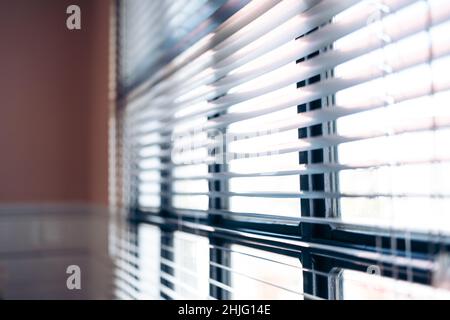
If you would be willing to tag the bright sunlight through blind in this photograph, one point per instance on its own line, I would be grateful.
(330, 112)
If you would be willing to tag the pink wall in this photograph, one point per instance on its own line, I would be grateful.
(53, 102)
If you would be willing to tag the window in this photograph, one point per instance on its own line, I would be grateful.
(362, 286)
(256, 274)
(191, 262)
(284, 149)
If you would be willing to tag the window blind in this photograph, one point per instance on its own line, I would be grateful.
(307, 134)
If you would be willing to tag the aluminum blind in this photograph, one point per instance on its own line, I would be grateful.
(322, 113)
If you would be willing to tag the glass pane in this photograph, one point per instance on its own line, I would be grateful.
(364, 286)
(264, 275)
(149, 261)
(192, 266)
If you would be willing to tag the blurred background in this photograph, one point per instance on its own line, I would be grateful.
(54, 112)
